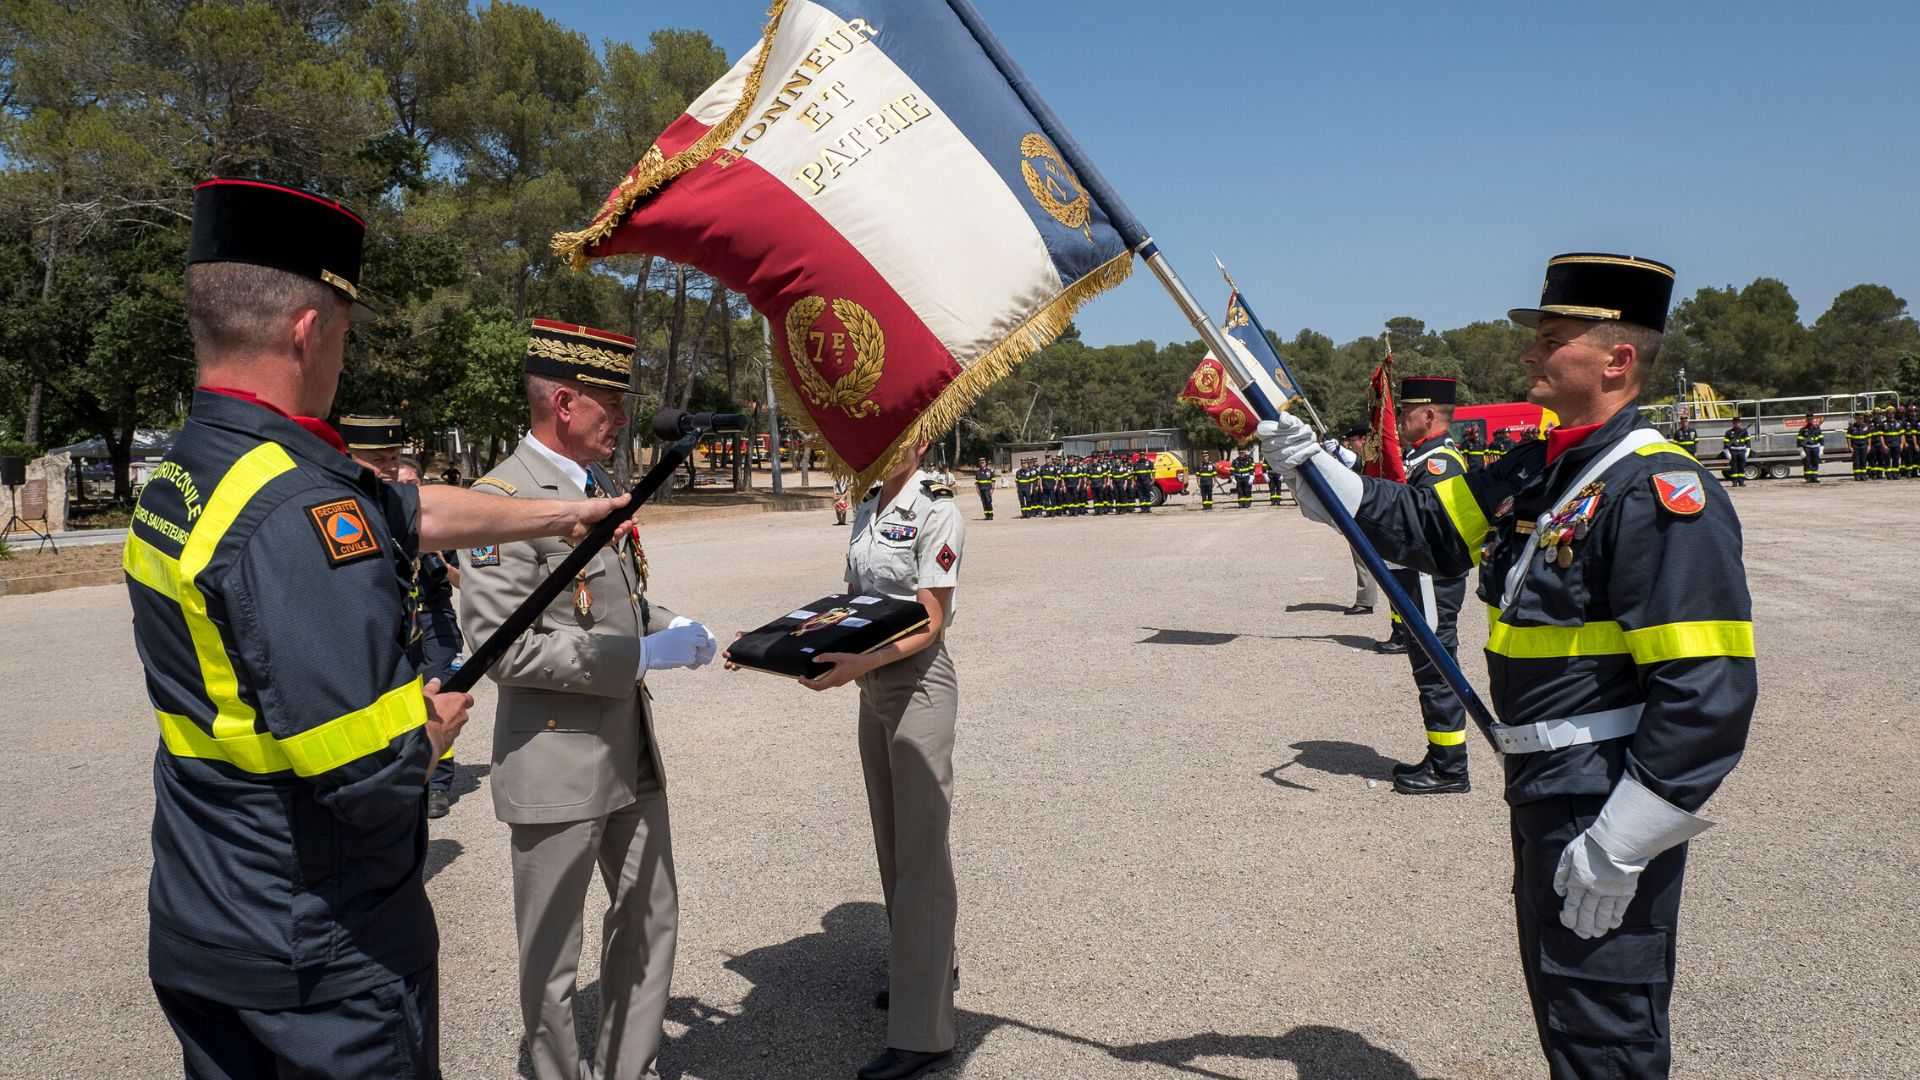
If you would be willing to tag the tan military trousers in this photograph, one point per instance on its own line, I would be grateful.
(552, 867)
(1366, 592)
(907, 714)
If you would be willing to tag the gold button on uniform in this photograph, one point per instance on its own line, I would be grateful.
(551, 723)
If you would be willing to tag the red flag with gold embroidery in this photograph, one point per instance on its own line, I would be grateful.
(1210, 389)
(1381, 455)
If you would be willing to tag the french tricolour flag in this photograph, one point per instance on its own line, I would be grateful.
(869, 178)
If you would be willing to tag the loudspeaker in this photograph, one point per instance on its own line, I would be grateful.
(13, 471)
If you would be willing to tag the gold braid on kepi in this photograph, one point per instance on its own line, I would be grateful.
(580, 354)
(372, 432)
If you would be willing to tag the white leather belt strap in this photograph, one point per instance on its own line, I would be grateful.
(1573, 731)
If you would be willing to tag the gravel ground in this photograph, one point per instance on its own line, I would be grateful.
(1177, 849)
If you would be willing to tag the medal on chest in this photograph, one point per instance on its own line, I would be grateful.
(1570, 523)
(897, 532)
(582, 598)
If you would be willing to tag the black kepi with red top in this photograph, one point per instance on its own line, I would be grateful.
(251, 221)
(1426, 390)
(580, 354)
(1598, 288)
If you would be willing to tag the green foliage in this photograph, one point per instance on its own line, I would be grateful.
(466, 135)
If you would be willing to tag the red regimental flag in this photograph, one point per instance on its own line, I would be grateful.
(1210, 390)
(1382, 456)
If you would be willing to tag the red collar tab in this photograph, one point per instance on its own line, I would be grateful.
(319, 428)
(1561, 440)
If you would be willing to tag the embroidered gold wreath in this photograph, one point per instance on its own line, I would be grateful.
(849, 392)
(1234, 423)
(1209, 390)
(1073, 213)
(575, 353)
(1237, 316)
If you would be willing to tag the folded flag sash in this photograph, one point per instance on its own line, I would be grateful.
(840, 623)
(875, 186)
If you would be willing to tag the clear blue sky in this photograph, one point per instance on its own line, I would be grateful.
(1352, 162)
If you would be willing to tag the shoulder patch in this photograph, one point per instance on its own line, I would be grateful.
(1436, 466)
(1682, 493)
(494, 481)
(946, 558)
(343, 530)
(484, 556)
(937, 490)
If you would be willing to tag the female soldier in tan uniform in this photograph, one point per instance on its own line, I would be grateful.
(906, 544)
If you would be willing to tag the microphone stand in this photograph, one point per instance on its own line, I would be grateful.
(584, 552)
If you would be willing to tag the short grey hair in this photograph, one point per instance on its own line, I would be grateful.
(1644, 339)
(238, 308)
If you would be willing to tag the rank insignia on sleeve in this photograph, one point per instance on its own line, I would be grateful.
(1436, 466)
(946, 558)
(484, 556)
(343, 530)
(1681, 492)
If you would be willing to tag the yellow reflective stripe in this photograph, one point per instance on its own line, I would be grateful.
(448, 756)
(1681, 641)
(1662, 448)
(1447, 738)
(335, 743)
(1454, 454)
(1553, 642)
(175, 579)
(1464, 511)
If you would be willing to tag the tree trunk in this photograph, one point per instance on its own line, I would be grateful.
(733, 388)
(120, 453)
(715, 300)
(636, 311)
(675, 331)
(36, 395)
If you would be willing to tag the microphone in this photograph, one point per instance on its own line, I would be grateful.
(670, 424)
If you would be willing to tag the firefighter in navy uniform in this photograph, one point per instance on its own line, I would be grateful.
(1686, 438)
(1050, 487)
(1739, 443)
(1471, 446)
(983, 483)
(290, 933)
(1910, 445)
(1498, 447)
(1620, 655)
(1425, 417)
(1858, 435)
(1022, 481)
(1205, 475)
(1243, 479)
(1812, 441)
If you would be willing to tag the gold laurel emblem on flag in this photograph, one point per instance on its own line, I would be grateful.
(1234, 423)
(1209, 389)
(1237, 316)
(849, 392)
(1075, 212)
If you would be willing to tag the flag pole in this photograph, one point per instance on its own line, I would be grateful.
(1261, 331)
(1256, 385)
(1411, 615)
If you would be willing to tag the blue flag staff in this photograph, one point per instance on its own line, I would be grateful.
(1256, 385)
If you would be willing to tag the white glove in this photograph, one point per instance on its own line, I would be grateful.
(683, 644)
(1600, 869)
(1289, 447)
(1286, 443)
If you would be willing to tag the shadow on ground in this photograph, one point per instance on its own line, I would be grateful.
(809, 1016)
(1334, 758)
(1337, 608)
(1351, 641)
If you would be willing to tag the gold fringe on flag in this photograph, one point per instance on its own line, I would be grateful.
(1033, 334)
(654, 170)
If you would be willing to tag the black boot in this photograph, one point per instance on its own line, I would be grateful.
(1428, 781)
(895, 1064)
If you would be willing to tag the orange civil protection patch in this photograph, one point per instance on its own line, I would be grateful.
(343, 530)
(1683, 492)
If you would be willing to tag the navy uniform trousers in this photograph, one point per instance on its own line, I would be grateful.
(391, 1031)
(1599, 1005)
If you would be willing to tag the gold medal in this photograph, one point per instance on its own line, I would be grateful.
(1565, 558)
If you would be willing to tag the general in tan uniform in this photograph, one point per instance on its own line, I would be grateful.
(576, 773)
